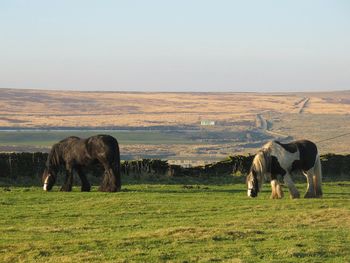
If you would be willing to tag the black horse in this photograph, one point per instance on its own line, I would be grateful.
(74, 154)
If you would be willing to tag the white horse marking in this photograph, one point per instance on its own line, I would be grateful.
(46, 183)
(250, 187)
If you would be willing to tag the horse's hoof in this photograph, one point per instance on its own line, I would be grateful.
(109, 189)
(319, 194)
(275, 196)
(85, 188)
(280, 194)
(295, 196)
(309, 195)
(65, 189)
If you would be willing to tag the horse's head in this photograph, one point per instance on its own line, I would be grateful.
(52, 166)
(257, 173)
(48, 179)
(253, 183)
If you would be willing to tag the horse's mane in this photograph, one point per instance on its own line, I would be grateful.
(53, 160)
(262, 160)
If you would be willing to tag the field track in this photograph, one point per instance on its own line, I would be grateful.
(176, 223)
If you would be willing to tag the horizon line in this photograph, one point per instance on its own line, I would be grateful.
(139, 91)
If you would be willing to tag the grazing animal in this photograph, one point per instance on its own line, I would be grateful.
(278, 159)
(74, 154)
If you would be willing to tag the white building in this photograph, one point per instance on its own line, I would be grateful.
(207, 123)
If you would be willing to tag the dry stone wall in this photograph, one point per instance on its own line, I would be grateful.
(14, 165)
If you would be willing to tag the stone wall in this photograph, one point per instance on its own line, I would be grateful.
(14, 165)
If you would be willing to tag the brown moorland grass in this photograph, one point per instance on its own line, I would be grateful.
(38, 108)
(314, 116)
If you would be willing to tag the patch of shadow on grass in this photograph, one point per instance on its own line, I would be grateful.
(320, 254)
(42, 254)
(343, 184)
(10, 229)
(187, 189)
(235, 235)
(8, 202)
(183, 180)
(200, 233)
(339, 196)
(166, 256)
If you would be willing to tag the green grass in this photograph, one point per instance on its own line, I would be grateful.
(47, 138)
(159, 223)
(187, 137)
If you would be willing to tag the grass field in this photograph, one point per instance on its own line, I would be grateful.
(48, 138)
(127, 137)
(173, 222)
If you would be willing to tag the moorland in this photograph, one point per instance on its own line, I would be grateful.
(195, 126)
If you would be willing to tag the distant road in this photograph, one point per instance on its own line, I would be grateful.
(301, 105)
(261, 123)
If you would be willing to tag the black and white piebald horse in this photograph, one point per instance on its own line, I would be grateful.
(74, 154)
(276, 159)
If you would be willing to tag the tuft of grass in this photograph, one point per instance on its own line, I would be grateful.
(173, 222)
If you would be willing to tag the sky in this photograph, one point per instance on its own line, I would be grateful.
(182, 45)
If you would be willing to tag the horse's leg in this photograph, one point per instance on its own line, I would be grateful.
(273, 189)
(63, 187)
(277, 192)
(318, 185)
(85, 185)
(68, 183)
(310, 192)
(105, 181)
(109, 182)
(291, 186)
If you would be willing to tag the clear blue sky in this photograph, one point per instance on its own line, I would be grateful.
(182, 45)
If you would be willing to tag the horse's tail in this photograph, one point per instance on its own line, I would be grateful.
(112, 178)
(318, 176)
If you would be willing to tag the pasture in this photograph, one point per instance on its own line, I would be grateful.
(176, 222)
(48, 138)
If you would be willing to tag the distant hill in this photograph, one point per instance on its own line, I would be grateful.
(251, 118)
(42, 108)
